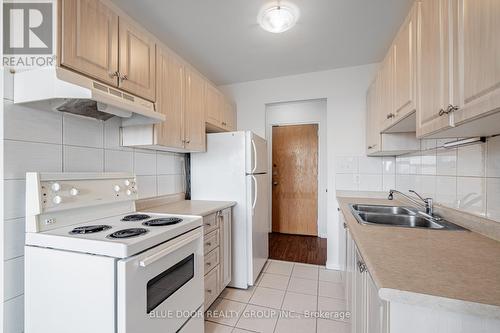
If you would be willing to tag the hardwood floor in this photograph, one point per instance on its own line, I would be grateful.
(304, 249)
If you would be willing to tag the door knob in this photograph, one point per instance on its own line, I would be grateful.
(275, 183)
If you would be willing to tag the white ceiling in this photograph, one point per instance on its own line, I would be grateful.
(222, 39)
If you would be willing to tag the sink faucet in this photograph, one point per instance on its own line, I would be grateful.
(428, 203)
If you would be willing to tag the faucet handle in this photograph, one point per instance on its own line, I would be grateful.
(418, 195)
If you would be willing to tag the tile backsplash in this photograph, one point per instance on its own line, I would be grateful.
(465, 178)
(46, 141)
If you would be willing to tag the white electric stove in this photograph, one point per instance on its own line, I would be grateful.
(90, 255)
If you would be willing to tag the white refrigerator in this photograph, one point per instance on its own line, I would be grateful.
(234, 168)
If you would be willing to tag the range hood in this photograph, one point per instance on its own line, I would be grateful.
(59, 89)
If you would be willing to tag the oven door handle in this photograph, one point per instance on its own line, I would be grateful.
(178, 243)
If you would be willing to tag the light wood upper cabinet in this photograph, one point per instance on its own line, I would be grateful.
(137, 65)
(405, 67)
(386, 112)
(89, 41)
(372, 119)
(213, 105)
(229, 119)
(195, 112)
(170, 100)
(478, 48)
(433, 62)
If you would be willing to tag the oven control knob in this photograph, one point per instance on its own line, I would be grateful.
(56, 187)
(117, 188)
(57, 200)
(129, 192)
(74, 192)
(127, 182)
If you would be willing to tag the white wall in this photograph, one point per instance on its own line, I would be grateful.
(345, 92)
(303, 112)
(46, 141)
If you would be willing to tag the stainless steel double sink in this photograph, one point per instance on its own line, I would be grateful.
(396, 216)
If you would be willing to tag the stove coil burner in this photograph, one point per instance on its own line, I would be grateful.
(127, 233)
(135, 217)
(89, 229)
(162, 221)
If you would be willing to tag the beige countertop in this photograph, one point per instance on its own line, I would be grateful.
(455, 270)
(190, 207)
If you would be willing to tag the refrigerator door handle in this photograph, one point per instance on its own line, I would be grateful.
(254, 202)
(254, 148)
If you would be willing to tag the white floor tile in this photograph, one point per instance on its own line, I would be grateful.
(217, 328)
(238, 295)
(271, 298)
(258, 319)
(305, 271)
(332, 308)
(333, 290)
(274, 281)
(226, 312)
(331, 326)
(329, 275)
(280, 267)
(296, 324)
(303, 286)
(300, 303)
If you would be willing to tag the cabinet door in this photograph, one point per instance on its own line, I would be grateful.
(230, 116)
(479, 58)
(387, 91)
(90, 39)
(433, 60)
(372, 119)
(194, 123)
(404, 68)
(376, 309)
(170, 100)
(214, 106)
(137, 60)
(225, 247)
(359, 315)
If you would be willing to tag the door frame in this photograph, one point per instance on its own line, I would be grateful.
(322, 160)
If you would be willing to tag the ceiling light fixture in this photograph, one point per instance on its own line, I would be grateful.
(278, 17)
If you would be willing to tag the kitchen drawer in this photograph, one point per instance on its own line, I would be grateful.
(211, 241)
(212, 259)
(210, 223)
(211, 286)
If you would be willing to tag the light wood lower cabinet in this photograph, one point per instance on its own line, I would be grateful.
(372, 314)
(217, 249)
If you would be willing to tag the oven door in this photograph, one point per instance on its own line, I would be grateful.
(158, 290)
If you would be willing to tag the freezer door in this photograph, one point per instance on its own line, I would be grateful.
(258, 224)
(256, 154)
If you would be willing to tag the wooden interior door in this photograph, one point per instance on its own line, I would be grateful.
(90, 39)
(137, 60)
(295, 179)
(170, 99)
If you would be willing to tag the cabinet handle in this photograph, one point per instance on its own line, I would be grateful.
(187, 141)
(208, 244)
(123, 77)
(114, 74)
(361, 267)
(209, 264)
(451, 108)
(391, 115)
(209, 291)
(345, 225)
(371, 147)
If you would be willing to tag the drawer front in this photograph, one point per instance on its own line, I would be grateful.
(210, 223)
(211, 259)
(211, 286)
(211, 241)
